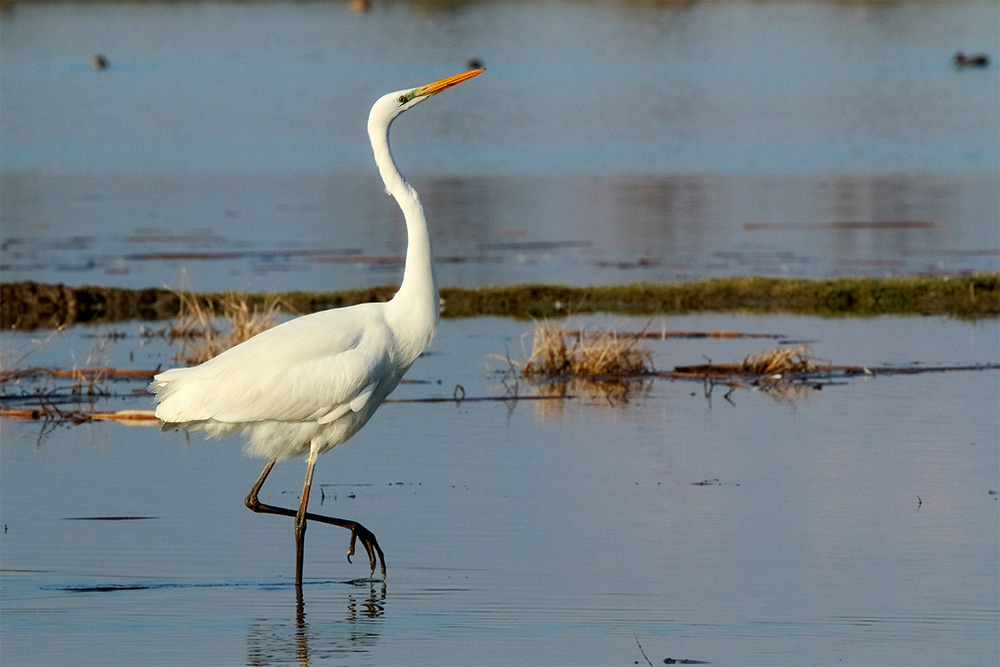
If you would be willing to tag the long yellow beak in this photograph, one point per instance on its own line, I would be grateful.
(438, 86)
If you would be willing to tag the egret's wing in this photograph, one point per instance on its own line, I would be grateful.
(314, 368)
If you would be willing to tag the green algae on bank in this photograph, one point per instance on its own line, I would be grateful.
(29, 305)
(971, 296)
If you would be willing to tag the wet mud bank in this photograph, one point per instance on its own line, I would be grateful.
(30, 305)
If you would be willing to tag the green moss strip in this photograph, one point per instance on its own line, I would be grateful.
(963, 296)
(32, 305)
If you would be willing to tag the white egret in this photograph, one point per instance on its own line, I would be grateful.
(311, 383)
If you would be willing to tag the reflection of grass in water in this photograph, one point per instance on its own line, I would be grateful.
(195, 328)
(614, 392)
(789, 393)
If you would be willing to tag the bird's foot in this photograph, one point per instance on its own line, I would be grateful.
(370, 544)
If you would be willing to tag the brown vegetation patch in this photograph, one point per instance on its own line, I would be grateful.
(778, 361)
(602, 363)
(557, 352)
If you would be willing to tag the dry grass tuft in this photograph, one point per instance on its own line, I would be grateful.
(780, 361)
(195, 324)
(555, 352)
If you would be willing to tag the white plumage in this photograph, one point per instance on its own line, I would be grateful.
(311, 383)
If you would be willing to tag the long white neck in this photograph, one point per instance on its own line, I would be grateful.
(415, 307)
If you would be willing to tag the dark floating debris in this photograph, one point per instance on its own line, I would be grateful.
(667, 661)
(975, 60)
(104, 589)
(840, 224)
(108, 518)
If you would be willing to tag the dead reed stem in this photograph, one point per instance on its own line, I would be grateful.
(195, 325)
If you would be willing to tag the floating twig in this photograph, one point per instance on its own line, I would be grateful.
(131, 417)
(683, 334)
(643, 652)
(102, 373)
(723, 371)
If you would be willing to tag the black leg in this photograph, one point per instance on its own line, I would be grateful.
(300, 520)
(357, 530)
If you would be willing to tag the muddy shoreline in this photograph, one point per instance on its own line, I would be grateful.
(30, 305)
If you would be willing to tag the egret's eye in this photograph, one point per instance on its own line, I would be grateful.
(402, 99)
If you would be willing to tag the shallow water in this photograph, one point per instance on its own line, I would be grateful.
(704, 139)
(852, 525)
(224, 149)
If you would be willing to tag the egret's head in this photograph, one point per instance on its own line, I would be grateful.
(391, 105)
